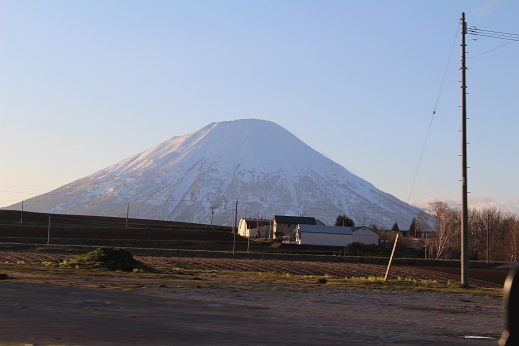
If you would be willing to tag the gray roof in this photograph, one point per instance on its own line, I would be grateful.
(325, 229)
(294, 220)
(329, 229)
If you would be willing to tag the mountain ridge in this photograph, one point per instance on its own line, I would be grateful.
(257, 162)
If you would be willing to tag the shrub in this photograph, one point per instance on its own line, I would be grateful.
(322, 280)
(107, 259)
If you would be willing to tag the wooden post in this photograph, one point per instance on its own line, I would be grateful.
(391, 258)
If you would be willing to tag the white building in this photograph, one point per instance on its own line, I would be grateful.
(334, 235)
(284, 226)
(255, 228)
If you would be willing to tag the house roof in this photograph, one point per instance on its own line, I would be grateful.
(330, 229)
(294, 220)
(253, 223)
(356, 228)
(325, 229)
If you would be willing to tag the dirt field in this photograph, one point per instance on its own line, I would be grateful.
(480, 277)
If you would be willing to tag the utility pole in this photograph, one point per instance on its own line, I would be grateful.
(48, 232)
(488, 237)
(425, 247)
(127, 214)
(464, 206)
(235, 221)
(212, 215)
(21, 214)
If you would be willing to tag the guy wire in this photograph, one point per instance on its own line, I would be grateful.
(433, 113)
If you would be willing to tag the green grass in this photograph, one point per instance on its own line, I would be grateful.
(413, 285)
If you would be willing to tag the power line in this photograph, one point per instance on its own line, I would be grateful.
(491, 50)
(492, 34)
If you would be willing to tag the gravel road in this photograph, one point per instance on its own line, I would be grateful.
(45, 314)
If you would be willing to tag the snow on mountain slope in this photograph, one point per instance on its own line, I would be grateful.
(260, 164)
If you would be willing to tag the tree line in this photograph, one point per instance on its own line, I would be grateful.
(493, 233)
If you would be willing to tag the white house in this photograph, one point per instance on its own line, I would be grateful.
(255, 228)
(334, 235)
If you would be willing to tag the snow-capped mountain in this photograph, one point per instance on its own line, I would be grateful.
(202, 174)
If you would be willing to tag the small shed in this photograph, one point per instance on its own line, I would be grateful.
(255, 228)
(334, 235)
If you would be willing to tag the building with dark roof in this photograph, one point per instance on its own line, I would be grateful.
(285, 225)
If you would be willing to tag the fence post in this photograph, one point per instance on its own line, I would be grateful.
(391, 258)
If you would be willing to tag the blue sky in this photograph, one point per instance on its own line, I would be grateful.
(86, 84)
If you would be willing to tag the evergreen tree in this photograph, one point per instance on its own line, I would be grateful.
(395, 227)
(343, 220)
(412, 228)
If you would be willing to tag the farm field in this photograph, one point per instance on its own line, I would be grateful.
(204, 294)
(190, 246)
(479, 277)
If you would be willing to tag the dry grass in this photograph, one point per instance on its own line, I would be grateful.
(181, 278)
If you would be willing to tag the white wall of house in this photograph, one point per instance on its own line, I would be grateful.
(242, 228)
(323, 235)
(245, 230)
(365, 236)
(308, 238)
(334, 235)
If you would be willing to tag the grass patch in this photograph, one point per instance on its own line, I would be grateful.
(413, 285)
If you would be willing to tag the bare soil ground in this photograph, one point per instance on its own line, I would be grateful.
(480, 277)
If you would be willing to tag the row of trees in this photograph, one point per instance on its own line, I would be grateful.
(493, 233)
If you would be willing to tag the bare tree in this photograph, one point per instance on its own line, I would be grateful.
(512, 237)
(446, 226)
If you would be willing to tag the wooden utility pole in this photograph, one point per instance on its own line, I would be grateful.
(488, 237)
(464, 205)
(127, 214)
(21, 214)
(234, 228)
(48, 232)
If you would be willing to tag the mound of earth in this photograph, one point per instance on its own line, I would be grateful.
(108, 259)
